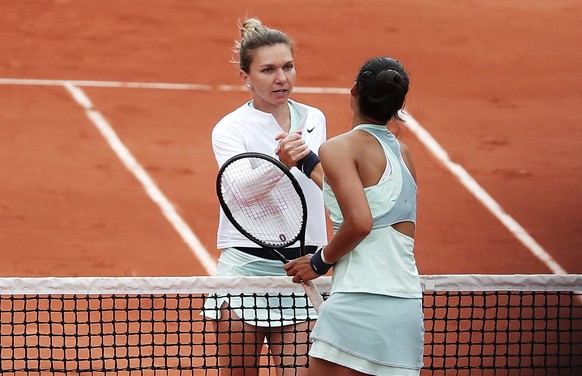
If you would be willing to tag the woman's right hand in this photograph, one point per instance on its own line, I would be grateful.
(300, 269)
(291, 149)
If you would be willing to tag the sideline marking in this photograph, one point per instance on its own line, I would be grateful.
(142, 176)
(472, 186)
(425, 138)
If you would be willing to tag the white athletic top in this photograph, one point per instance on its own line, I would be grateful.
(249, 130)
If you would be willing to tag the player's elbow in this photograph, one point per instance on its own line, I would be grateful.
(361, 227)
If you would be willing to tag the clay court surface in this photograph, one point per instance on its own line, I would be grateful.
(497, 84)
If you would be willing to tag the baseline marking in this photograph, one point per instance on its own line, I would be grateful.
(158, 86)
(425, 138)
(143, 177)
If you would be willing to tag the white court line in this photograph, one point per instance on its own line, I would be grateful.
(158, 86)
(467, 180)
(114, 84)
(142, 176)
(429, 142)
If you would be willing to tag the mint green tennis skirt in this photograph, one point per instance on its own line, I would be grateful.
(259, 310)
(373, 334)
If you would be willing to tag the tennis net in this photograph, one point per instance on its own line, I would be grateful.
(474, 325)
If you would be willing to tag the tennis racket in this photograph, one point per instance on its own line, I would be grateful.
(264, 201)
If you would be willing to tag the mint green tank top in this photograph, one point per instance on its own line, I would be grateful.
(383, 263)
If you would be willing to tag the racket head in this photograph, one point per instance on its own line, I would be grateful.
(263, 200)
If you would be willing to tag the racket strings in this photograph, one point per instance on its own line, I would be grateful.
(263, 201)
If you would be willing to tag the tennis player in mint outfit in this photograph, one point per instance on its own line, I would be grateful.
(372, 323)
(267, 69)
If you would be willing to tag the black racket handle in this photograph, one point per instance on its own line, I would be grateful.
(278, 255)
(310, 289)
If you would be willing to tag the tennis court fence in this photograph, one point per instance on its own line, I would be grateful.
(474, 324)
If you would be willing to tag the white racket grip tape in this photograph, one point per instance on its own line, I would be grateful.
(313, 294)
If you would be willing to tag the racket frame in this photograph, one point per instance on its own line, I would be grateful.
(309, 287)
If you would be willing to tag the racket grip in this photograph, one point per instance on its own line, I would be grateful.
(313, 294)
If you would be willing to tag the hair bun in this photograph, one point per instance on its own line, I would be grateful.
(390, 76)
(382, 88)
(250, 26)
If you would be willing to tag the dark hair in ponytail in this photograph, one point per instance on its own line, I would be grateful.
(382, 87)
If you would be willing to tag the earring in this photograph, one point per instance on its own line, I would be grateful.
(248, 85)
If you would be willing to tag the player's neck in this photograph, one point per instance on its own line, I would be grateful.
(360, 119)
(281, 114)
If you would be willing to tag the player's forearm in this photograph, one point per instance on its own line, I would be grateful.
(345, 240)
(317, 175)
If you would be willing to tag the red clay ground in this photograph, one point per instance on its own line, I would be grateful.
(497, 83)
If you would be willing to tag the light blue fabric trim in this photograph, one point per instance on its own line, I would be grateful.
(295, 117)
(403, 188)
(393, 199)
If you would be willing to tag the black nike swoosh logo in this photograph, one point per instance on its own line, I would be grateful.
(310, 130)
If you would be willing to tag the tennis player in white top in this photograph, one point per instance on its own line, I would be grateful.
(267, 69)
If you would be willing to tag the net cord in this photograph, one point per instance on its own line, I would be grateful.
(203, 284)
